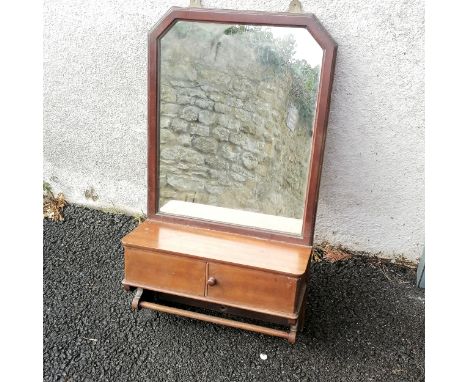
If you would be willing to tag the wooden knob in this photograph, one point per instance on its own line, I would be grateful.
(211, 281)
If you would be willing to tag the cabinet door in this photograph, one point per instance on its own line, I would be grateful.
(251, 288)
(164, 272)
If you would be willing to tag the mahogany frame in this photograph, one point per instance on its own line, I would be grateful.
(307, 21)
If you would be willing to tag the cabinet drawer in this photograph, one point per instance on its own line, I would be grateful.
(161, 271)
(251, 288)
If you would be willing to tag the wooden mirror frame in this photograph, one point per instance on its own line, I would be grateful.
(307, 21)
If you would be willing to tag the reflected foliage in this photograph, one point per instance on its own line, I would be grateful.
(272, 51)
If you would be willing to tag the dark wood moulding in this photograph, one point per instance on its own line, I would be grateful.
(308, 21)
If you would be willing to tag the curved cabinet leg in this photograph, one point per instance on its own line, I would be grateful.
(136, 299)
(292, 334)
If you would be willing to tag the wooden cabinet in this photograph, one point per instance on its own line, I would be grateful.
(217, 268)
(162, 271)
(252, 288)
(234, 161)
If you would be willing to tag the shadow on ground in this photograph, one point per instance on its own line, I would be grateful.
(365, 321)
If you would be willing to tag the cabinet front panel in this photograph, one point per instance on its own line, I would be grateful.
(161, 271)
(251, 288)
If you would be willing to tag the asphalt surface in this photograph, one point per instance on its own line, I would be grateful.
(365, 321)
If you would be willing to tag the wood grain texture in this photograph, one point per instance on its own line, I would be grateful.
(291, 317)
(252, 288)
(221, 247)
(159, 270)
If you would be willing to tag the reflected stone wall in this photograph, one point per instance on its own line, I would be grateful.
(230, 133)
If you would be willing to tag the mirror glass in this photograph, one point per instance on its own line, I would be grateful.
(236, 114)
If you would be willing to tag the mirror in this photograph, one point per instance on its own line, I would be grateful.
(236, 114)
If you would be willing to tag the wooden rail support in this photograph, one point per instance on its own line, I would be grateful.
(290, 336)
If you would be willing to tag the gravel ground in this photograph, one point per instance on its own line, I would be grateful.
(365, 321)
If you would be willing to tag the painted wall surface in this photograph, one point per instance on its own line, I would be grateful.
(372, 187)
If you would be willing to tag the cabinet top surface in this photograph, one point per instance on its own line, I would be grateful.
(220, 246)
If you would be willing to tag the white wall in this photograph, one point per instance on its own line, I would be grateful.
(372, 190)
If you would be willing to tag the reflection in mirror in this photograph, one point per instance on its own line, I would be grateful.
(237, 108)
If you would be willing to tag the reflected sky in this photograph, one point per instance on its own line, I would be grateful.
(306, 46)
